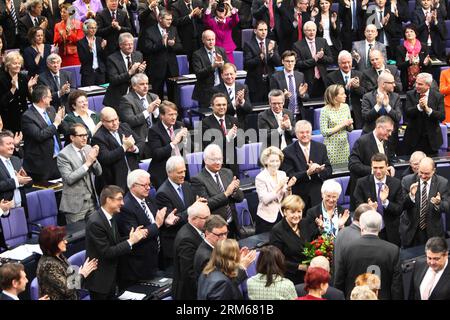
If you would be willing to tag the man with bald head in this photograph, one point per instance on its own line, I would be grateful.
(426, 198)
(207, 63)
(351, 80)
(370, 75)
(361, 49)
(120, 148)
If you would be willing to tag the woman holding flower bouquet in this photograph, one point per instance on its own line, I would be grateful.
(328, 216)
(290, 236)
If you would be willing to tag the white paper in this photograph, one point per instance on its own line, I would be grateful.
(56, 180)
(22, 252)
(190, 76)
(90, 88)
(128, 295)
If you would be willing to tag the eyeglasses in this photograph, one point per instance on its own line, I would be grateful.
(216, 160)
(220, 235)
(146, 186)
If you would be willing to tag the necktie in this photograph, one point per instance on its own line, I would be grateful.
(382, 111)
(368, 56)
(216, 72)
(229, 212)
(380, 146)
(145, 106)
(346, 80)
(293, 98)
(306, 154)
(56, 148)
(58, 84)
(263, 51)
(91, 183)
(36, 22)
(12, 174)
(354, 18)
(180, 193)
(128, 62)
(381, 30)
(14, 14)
(113, 15)
(222, 126)
(379, 72)
(380, 207)
(115, 231)
(231, 95)
(189, 6)
(313, 53)
(429, 286)
(151, 218)
(423, 207)
(271, 15)
(176, 150)
(299, 26)
(283, 143)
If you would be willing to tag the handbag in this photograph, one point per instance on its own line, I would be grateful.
(246, 230)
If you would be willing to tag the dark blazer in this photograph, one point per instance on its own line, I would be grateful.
(291, 245)
(104, 244)
(241, 112)
(184, 285)
(256, 68)
(294, 164)
(24, 25)
(367, 251)
(48, 79)
(370, 115)
(9, 29)
(202, 256)
(5, 297)
(12, 106)
(29, 56)
(205, 186)
(112, 156)
(70, 119)
(217, 286)
(119, 79)
(403, 64)
(130, 110)
(410, 221)
(345, 14)
(107, 32)
(366, 188)
(278, 81)
(268, 122)
(335, 33)
(306, 63)
(331, 294)
(420, 124)
(437, 32)
(202, 68)
(159, 147)
(168, 197)
(7, 183)
(353, 97)
(87, 57)
(370, 79)
(38, 159)
(142, 262)
(440, 292)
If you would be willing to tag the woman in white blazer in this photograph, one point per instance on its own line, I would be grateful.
(272, 185)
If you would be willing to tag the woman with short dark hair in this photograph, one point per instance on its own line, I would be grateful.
(35, 56)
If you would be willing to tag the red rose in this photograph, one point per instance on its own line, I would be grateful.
(318, 253)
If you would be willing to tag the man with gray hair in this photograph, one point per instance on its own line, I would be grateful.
(371, 254)
(361, 49)
(174, 193)
(414, 162)
(351, 80)
(59, 81)
(139, 108)
(425, 111)
(121, 65)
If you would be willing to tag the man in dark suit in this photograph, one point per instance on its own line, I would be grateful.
(189, 237)
(371, 254)
(111, 23)
(8, 10)
(431, 278)
(275, 124)
(165, 138)
(260, 59)
(120, 67)
(216, 228)
(384, 194)
(120, 148)
(308, 161)
(313, 57)
(359, 162)
(238, 98)
(139, 108)
(219, 186)
(59, 81)
(351, 13)
(104, 243)
(41, 138)
(148, 16)
(425, 111)
(13, 280)
(140, 210)
(351, 80)
(206, 64)
(187, 17)
(174, 194)
(160, 45)
(426, 198)
(369, 79)
(33, 18)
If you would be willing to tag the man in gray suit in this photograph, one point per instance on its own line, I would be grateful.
(139, 108)
(78, 165)
(370, 76)
(361, 49)
(219, 186)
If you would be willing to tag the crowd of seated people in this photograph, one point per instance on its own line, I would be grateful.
(132, 233)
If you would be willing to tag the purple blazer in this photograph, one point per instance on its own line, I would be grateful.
(95, 5)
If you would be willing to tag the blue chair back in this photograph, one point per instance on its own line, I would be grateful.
(183, 64)
(317, 138)
(238, 59)
(316, 125)
(247, 159)
(76, 76)
(15, 228)
(34, 289)
(78, 259)
(194, 162)
(353, 136)
(246, 35)
(42, 208)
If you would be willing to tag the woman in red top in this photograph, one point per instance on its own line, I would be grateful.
(316, 283)
(67, 33)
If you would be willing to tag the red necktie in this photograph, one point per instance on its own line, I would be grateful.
(222, 125)
(299, 26)
(271, 15)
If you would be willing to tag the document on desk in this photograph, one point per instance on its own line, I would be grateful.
(22, 252)
(128, 295)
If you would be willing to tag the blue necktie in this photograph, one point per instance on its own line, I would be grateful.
(56, 148)
(293, 98)
(383, 111)
(180, 193)
(12, 173)
(380, 207)
(354, 19)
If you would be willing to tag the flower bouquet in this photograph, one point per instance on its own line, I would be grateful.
(322, 246)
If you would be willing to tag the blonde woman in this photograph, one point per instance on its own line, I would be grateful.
(272, 185)
(335, 121)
